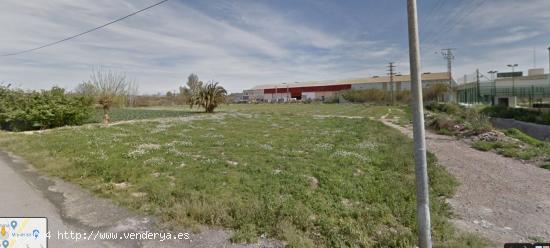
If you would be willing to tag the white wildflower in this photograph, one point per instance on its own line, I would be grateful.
(266, 146)
(324, 146)
(367, 145)
(154, 161)
(343, 154)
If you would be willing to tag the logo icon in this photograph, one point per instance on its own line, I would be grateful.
(13, 224)
(3, 231)
(35, 233)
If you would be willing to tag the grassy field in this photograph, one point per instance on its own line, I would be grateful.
(125, 114)
(312, 175)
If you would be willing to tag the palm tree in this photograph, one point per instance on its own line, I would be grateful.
(209, 96)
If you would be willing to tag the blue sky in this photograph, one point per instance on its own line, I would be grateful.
(246, 43)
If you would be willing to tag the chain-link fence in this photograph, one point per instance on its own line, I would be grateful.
(528, 92)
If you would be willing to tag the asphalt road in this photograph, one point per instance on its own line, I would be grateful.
(22, 198)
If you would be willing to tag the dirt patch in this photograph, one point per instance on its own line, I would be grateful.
(501, 198)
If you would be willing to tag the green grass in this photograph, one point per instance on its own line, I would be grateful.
(515, 133)
(125, 114)
(287, 171)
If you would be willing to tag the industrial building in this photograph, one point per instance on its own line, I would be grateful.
(506, 89)
(323, 90)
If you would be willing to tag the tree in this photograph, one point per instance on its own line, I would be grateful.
(110, 89)
(436, 92)
(210, 96)
(193, 87)
(196, 93)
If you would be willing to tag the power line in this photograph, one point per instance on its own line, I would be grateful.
(85, 32)
(424, 19)
(443, 22)
(460, 19)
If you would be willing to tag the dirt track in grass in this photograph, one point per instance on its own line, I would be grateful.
(503, 199)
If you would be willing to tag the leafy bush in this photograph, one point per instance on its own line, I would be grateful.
(20, 110)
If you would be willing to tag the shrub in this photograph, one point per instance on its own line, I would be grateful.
(403, 96)
(442, 122)
(476, 122)
(449, 108)
(435, 92)
(377, 96)
(361, 96)
(20, 110)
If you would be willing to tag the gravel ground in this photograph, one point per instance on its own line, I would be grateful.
(502, 199)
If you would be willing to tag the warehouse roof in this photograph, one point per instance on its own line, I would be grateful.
(374, 79)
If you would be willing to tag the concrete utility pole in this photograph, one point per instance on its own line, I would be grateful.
(449, 56)
(391, 67)
(421, 168)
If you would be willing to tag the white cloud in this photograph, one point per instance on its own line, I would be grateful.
(160, 47)
(509, 38)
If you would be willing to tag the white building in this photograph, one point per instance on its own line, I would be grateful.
(323, 90)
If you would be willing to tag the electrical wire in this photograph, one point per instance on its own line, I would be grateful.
(83, 33)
